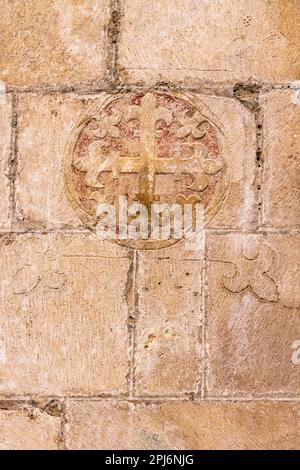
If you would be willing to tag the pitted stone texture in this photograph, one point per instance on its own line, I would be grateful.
(63, 315)
(182, 251)
(185, 40)
(5, 135)
(238, 208)
(168, 329)
(53, 42)
(27, 428)
(253, 306)
(41, 200)
(183, 425)
(281, 156)
(45, 125)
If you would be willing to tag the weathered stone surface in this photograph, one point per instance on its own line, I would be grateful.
(45, 125)
(253, 318)
(237, 124)
(5, 133)
(27, 428)
(137, 345)
(63, 315)
(183, 425)
(185, 40)
(53, 42)
(281, 155)
(42, 201)
(152, 147)
(181, 251)
(168, 330)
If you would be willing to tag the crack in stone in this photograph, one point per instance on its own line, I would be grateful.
(13, 157)
(113, 34)
(247, 94)
(53, 406)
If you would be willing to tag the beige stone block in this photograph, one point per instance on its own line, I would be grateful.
(27, 428)
(237, 210)
(281, 154)
(252, 315)
(5, 135)
(168, 329)
(184, 40)
(41, 200)
(180, 251)
(53, 42)
(182, 425)
(45, 126)
(63, 316)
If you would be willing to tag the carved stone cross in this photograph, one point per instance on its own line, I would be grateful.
(147, 165)
(157, 146)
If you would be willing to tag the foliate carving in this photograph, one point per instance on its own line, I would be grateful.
(149, 147)
(252, 273)
(41, 272)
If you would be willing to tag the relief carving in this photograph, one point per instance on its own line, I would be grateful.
(252, 273)
(41, 272)
(149, 147)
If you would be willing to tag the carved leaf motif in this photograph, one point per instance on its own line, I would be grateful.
(132, 112)
(96, 163)
(43, 272)
(91, 165)
(205, 166)
(200, 182)
(265, 288)
(147, 106)
(211, 166)
(108, 126)
(181, 199)
(251, 273)
(237, 283)
(265, 258)
(190, 126)
(26, 279)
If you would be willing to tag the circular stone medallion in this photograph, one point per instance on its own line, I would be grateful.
(153, 147)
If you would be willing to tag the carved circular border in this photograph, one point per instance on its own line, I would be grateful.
(93, 111)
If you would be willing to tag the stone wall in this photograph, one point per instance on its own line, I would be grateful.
(104, 346)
